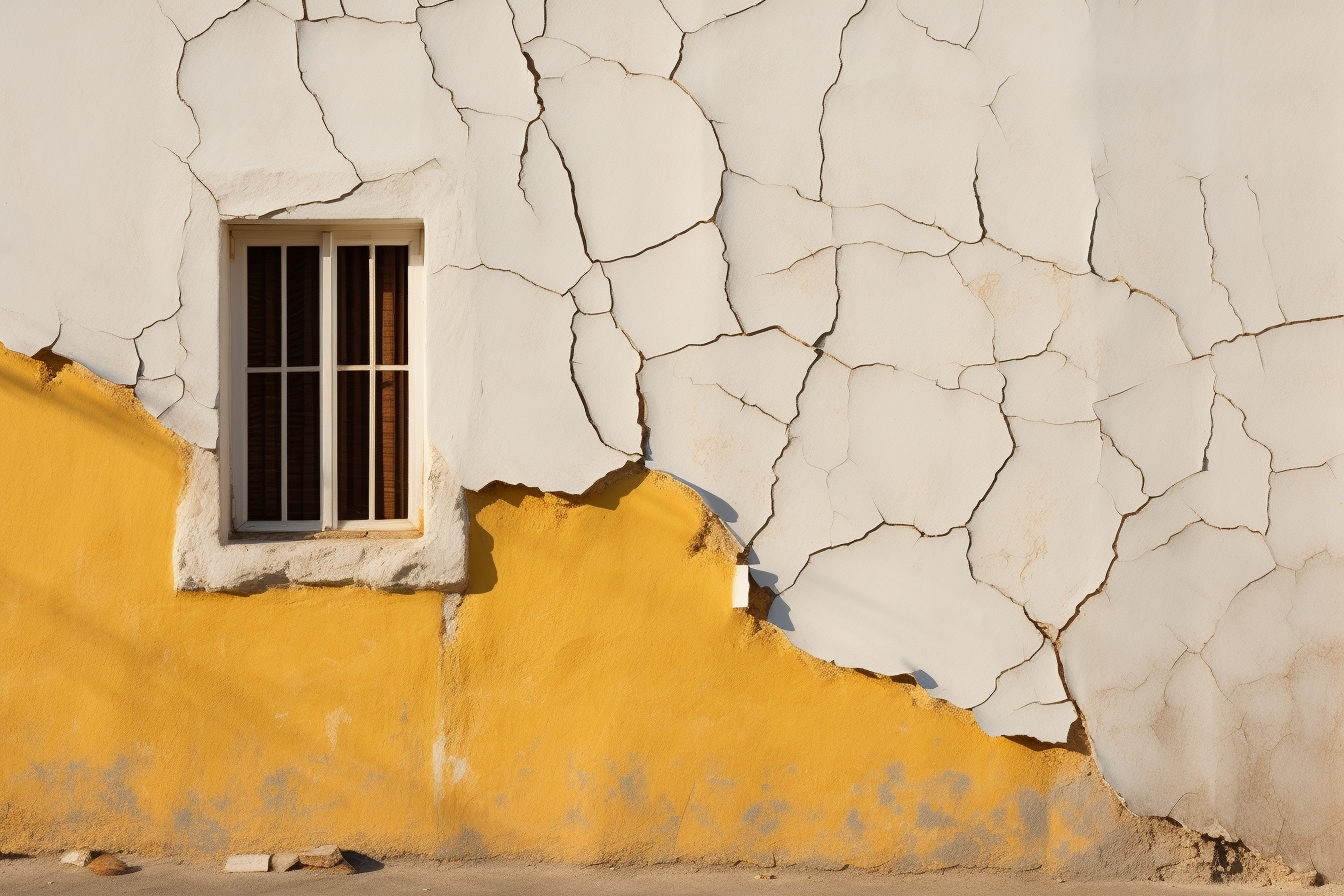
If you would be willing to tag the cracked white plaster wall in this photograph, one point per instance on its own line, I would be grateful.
(885, 278)
(655, 172)
(264, 144)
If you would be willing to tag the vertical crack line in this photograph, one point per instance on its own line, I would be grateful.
(322, 113)
(821, 120)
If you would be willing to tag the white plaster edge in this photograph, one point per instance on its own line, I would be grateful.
(205, 559)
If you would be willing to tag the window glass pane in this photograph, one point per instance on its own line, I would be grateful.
(263, 446)
(390, 278)
(390, 445)
(352, 444)
(305, 445)
(263, 306)
(352, 305)
(302, 306)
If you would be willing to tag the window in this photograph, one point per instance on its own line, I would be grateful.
(324, 379)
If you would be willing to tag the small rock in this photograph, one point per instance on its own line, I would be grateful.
(283, 861)
(341, 867)
(765, 877)
(108, 865)
(255, 862)
(77, 857)
(321, 857)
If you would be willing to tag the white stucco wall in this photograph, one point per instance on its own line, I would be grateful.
(1004, 335)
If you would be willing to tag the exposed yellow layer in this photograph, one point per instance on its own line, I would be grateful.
(599, 701)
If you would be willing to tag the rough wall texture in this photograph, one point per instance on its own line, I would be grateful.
(1003, 335)
(620, 712)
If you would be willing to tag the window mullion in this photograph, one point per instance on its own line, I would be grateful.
(373, 376)
(284, 383)
(327, 385)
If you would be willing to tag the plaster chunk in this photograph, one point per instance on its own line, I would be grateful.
(511, 411)
(954, 21)
(1036, 155)
(902, 123)
(692, 15)
(929, 453)
(378, 96)
(157, 395)
(1290, 384)
(1043, 534)
(193, 421)
(1027, 298)
(1158, 719)
(323, 9)
(639, 34)
(1153, 526)
(656, 172)
(1233, 488)
(1120, 478)
(761, 76)
(476, 57)
(382, 10)
(205, 559)
(524, 211)
(879, 224)
(1119, 338)
(765, 370)
(909, 311)
(110, 357)
(529, 18)
(1306, 513)
(673, 295)
(605, 365)
(918, 612)
(263, 144)
(292, 9)
(160, 349)
(553, 58)
(1048, 389)
(197, 319)
(92, 148)
(592, 294)
(1240, 260)
(985, 380)
(1029, 700)
(781, 271)
(1164, 424)
(192, 17)
(713, 442)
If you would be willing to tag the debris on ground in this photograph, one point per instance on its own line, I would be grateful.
(108, 865)
(248, 863)
(765, 877)
(77, 857)
(322, 857)
(283, 861)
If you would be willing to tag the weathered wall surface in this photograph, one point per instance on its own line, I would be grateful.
(620, 711)
(1001, 334)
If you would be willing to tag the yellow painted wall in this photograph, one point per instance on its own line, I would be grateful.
(599, 700)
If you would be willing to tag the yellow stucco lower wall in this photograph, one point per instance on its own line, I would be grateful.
(595, 697)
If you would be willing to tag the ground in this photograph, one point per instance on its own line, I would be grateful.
(407, 876)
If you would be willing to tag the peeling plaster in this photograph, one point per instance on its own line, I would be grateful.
(1031, 307)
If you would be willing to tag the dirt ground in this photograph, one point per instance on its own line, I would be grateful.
(495, 878)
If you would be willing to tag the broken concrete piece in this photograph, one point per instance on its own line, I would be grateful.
(639, 34)
(283, 861)
(761, 76)
(475, 55)
(108, 866)
(917, 599)
(77, 857)
(264, 145)
(321, 857)
(656, 172)
(247, 863)
(673, 295)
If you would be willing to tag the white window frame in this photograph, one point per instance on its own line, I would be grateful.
(233, 330)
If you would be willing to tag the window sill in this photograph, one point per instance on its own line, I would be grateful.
(207, 556)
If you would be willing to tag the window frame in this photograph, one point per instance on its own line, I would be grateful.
(327, 235)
